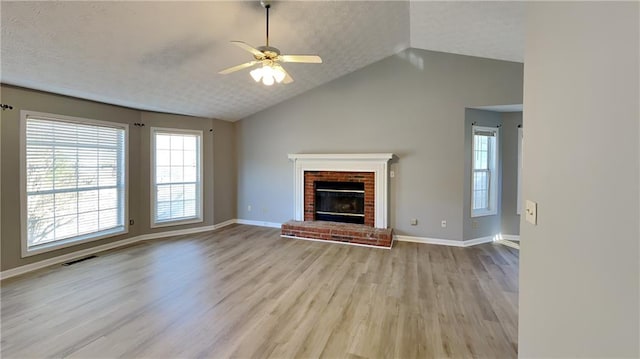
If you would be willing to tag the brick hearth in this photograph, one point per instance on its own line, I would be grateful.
(339, 232)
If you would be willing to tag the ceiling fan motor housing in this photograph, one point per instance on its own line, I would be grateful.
(269, 52)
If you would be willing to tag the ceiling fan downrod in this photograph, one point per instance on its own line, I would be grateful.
(267, 5)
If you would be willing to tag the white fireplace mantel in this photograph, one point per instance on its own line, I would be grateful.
(352, 162)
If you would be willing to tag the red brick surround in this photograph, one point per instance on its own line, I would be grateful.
(367, 178)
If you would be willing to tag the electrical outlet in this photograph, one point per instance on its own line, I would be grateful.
(475, 224)
(443, 224)
(249, 208)
(265, 210)
(414, 222)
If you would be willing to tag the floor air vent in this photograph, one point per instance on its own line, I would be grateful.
(79, 260)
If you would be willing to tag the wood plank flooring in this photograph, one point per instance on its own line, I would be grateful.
(244, 292)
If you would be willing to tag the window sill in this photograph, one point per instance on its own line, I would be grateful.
(483, 213)
(177, 222)
(52, 246)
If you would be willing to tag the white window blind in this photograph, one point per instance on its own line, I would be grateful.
(75, 180)
(484, 179)
(176, 176)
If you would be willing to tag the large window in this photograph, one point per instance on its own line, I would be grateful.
(73, 183)
(484, 177)
(176, 176)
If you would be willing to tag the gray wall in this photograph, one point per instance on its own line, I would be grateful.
(221, 164)
(509, 140)
(411, 104)
(579, 267)
(476, 227)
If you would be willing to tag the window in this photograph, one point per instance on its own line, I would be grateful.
(176, 177)
(73, 180)
(484, 178)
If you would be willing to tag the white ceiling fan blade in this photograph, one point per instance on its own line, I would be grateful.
(237, 68)
(308, 59)
(247, 47)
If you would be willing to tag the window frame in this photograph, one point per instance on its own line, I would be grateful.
(152, 178)
(493, 172)
(68, 242)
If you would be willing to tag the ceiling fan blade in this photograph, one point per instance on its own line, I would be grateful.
(287, 78)
(237, 68)
(247, 47)
(309, 59)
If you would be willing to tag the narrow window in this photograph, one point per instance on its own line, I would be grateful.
(73, 180)
(484, 177)
(176, 176)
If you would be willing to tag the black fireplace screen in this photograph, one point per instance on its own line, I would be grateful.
(339, 202)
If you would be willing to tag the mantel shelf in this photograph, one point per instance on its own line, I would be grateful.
(341, 156)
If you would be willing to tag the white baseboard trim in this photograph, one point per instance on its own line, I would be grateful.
(444, 242)
(224, 224)
(338, 242)
(105, 247)
(511, 237)
(258, 223)
(508, 244)
(481, 240)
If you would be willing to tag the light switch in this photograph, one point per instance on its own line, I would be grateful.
(531, 212)
(392, 174)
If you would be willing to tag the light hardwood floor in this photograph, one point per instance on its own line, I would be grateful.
(244, 292)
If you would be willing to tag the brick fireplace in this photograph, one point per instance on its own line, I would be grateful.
(357, 183)
(311, 178)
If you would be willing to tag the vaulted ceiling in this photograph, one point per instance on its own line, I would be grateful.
(165, 56)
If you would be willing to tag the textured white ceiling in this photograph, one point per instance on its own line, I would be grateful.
(164, 56)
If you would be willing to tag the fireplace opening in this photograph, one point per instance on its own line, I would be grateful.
(339, 201)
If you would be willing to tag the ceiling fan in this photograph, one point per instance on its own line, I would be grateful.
(269, 58)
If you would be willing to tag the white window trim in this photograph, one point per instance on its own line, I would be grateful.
(520, 162)
(26, 252)
(494, 174)
(152, 151)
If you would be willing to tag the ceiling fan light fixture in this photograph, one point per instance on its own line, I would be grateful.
(267, 75)
(278, 73)
(270, 72)
(268, 80)
(256, 74)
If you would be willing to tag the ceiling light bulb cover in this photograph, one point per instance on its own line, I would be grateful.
(268, 80)
(267, 70)
(278, 73)
(256, 74)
